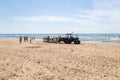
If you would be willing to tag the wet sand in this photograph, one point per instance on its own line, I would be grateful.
(51, 61)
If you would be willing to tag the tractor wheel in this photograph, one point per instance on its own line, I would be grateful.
(77, 42)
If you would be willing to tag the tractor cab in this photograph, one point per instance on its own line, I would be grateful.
(72, 36)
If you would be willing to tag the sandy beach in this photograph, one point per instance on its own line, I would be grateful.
(51, 61)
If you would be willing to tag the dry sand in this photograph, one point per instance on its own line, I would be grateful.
(50, 61)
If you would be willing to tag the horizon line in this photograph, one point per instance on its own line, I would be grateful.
(65, 33)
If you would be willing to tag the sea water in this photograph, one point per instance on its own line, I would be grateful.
(91, 38)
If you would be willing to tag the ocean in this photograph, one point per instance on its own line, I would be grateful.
(85, 38)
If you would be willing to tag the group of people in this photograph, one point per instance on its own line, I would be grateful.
(26, 39)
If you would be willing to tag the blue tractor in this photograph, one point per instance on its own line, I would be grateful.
(69, 38)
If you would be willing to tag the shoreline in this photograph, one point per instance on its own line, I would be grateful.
(84, 42)
(84, 38)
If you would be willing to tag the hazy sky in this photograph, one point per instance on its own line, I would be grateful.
(59, 16)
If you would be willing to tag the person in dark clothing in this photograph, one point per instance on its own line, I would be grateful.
(20, 39)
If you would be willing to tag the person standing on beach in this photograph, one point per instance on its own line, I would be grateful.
(20, 39)
(30, 40)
